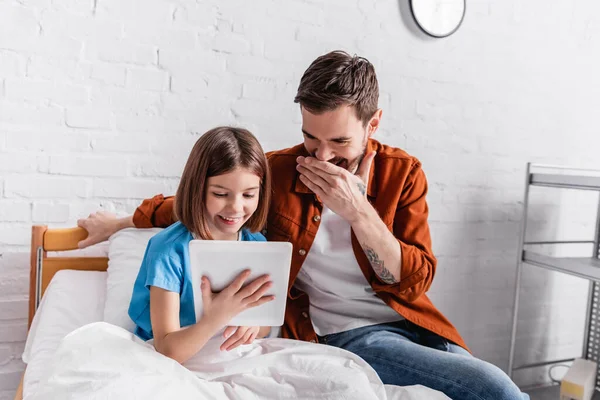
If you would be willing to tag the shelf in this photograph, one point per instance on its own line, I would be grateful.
(551, 393)
(566, 181)
(588, 268)
(583, 267)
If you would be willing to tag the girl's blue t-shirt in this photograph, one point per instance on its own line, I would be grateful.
(166, 265)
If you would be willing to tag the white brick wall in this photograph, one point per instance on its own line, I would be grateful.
(100, 102)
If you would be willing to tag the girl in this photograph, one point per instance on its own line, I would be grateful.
(223, 194)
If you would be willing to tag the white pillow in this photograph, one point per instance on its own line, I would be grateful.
(125, 254)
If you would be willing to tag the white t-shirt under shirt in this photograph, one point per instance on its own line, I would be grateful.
(340, 296)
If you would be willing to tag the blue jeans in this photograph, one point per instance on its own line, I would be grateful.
(404, 354)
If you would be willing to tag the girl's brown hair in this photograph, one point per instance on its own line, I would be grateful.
(217, 152)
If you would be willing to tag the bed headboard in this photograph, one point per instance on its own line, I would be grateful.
(43, 267)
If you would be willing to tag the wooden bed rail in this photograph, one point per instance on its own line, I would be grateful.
(43, 267)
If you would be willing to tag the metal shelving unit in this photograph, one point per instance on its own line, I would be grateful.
(582, 267)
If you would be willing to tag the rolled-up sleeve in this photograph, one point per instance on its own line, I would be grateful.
(155, 212)
(411, 229)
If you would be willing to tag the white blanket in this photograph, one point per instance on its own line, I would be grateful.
(102, 361)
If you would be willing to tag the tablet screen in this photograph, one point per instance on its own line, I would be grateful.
(222, 261)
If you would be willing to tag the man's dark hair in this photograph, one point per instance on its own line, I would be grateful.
(336, 79)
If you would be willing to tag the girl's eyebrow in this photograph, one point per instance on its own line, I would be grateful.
(223, 187)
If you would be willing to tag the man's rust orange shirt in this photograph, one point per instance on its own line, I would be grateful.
(397, 188)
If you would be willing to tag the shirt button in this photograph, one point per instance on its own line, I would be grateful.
(304, 314)
(302, 252)
(317, 218)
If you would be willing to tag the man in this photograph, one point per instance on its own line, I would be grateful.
(355, 211)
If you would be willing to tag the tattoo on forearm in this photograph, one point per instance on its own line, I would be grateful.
(362, 188)
(384, 274)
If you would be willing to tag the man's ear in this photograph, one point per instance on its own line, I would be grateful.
(373, 124)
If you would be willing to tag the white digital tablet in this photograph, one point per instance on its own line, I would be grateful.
(222, 261)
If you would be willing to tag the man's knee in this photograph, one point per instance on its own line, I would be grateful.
(493, 384)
